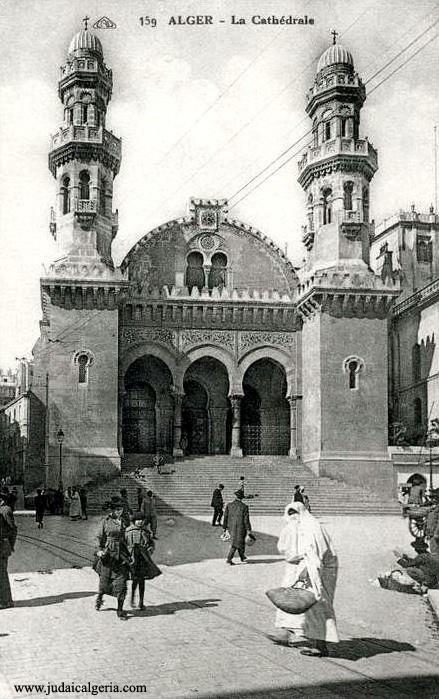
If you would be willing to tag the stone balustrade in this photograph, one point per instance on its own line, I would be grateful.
(86, 134)
(334, 80)
(85, 206)
(336, 147)
(419, 298)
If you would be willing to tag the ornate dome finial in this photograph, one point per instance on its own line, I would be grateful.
(334, 36)
(85, 20)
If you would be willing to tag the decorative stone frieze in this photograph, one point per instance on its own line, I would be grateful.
(130, 336)
(278, 339)
(223, 338)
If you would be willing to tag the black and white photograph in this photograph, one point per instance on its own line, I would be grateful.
(219, 380)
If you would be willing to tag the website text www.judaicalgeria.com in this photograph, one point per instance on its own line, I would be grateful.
(74, 688)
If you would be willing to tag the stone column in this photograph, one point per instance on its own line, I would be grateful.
(292, 400)
(177, 451)
(236, 425)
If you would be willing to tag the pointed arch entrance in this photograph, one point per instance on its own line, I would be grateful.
(206, 421)
(147, 409)
(265, 413)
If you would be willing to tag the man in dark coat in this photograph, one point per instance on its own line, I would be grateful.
(237, 522)
(218, 505)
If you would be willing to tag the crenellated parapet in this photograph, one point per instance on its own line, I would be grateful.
(346, 294)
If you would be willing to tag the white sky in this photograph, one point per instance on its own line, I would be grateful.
(164, 80)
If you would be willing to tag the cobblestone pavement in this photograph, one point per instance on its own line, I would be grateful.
(203, 632)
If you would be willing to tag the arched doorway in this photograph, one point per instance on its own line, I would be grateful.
(206, 412)
(147, 407)
(139, 420)
(265, 414)
(195, 424)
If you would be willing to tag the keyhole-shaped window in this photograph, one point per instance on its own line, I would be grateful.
(83, 362)
(195, 271)
(353, 367)
(327, 208)
(344, 124)
(348, 188)
(65, 193)
(217, 274)
(84, 185)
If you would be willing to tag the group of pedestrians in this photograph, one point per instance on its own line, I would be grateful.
(125, 545)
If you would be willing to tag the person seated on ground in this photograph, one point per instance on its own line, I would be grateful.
(423, 569)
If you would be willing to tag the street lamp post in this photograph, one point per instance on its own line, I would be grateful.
(60, 438)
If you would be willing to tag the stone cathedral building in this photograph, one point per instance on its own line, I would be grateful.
(206, 340)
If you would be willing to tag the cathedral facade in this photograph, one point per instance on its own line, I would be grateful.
(206, 340)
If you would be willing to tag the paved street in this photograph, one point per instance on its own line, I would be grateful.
(203, 633)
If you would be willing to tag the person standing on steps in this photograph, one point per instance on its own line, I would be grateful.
(297, 497)
(241, 486)
(149, 512)
(218, 505)
(112, 558)
(139, 495)
(237, 522)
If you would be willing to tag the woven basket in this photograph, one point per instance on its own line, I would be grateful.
(291, 600)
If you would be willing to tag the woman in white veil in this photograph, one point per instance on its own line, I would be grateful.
(309, 556)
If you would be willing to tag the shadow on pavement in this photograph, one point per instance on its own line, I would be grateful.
(169, 607)
(398, 687)
(52, 599)
(357, 648)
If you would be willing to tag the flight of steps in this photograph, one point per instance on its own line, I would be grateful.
(186, 487)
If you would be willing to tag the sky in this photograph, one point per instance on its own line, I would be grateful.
(201, 110)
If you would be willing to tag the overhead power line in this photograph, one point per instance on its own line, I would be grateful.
(408, 59)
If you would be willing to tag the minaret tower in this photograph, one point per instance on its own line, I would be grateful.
(84, 157)
(77, 354)
(344, 305)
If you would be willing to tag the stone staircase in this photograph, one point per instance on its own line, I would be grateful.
(186, 486)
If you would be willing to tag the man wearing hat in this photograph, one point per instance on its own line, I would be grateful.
(113, 558)
(237, 521)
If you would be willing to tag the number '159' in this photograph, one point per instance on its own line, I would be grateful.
(148, 21)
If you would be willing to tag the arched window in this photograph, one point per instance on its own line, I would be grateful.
(65, 193)
(327, 131)
(327, 208)
(344, 127)
(218, 271)
(84, 113)
(83, 362)
(69, 116)
(195, 271)
(417, 412)
(84, 185)
(416, 362)
(348, 188)
(102, 197)
(365, 204)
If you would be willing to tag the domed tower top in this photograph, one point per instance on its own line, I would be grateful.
(335, 55)
(84, 40)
